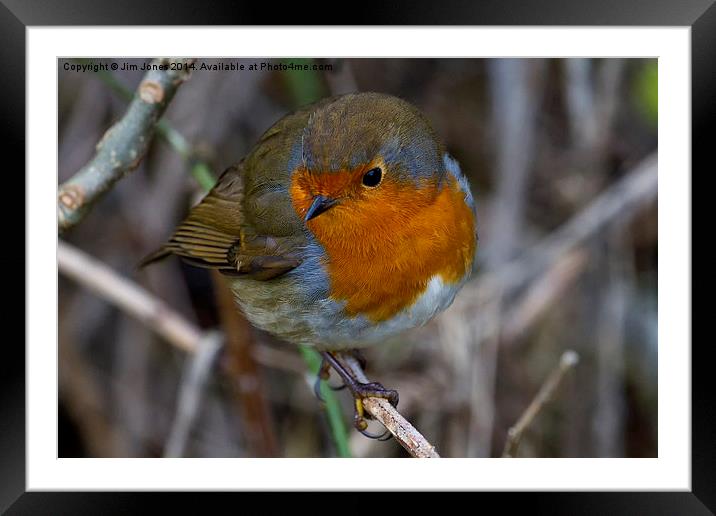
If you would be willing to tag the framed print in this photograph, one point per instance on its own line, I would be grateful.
(339, 248)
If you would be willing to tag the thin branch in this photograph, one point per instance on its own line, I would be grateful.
(618, 202)
(545, 291)
(199, 169)
(381, 409)
(128, 296)
(568, 360)
(191, 390)
(124, 145)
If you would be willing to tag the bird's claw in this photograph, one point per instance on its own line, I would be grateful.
(360, 392)
(361, 425)
(360, 416)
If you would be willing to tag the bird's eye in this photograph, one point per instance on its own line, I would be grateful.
(372, 177)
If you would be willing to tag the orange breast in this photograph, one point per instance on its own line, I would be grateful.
(383, 248)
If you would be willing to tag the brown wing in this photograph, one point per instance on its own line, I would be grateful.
(212, 236)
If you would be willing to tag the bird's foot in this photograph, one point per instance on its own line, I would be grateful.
(360, 391)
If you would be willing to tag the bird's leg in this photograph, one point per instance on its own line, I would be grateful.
(324, 373)
(361, 391)
(355, 353)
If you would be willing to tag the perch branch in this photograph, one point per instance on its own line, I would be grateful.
(568, 360)
(381, 409)
(123, 146)
(128, 296)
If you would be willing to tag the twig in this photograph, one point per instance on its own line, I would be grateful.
(618, 202)
(128, 296)
(123, 146)
(190, 393)
(199, 169)
(568, 360)
(546, 290)
(381, 409)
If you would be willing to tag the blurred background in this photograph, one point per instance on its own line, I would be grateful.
(560, 154)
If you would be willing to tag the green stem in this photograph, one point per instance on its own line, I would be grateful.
(203, 175)
(332, 407)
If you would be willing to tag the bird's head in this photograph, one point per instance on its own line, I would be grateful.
(369, 163)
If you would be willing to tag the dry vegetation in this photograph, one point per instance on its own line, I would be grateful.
(561, 155)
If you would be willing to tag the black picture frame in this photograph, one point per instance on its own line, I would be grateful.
(17, 15)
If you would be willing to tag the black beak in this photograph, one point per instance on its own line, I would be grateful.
(320, 204)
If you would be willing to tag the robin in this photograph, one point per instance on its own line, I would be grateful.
(347, 223)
